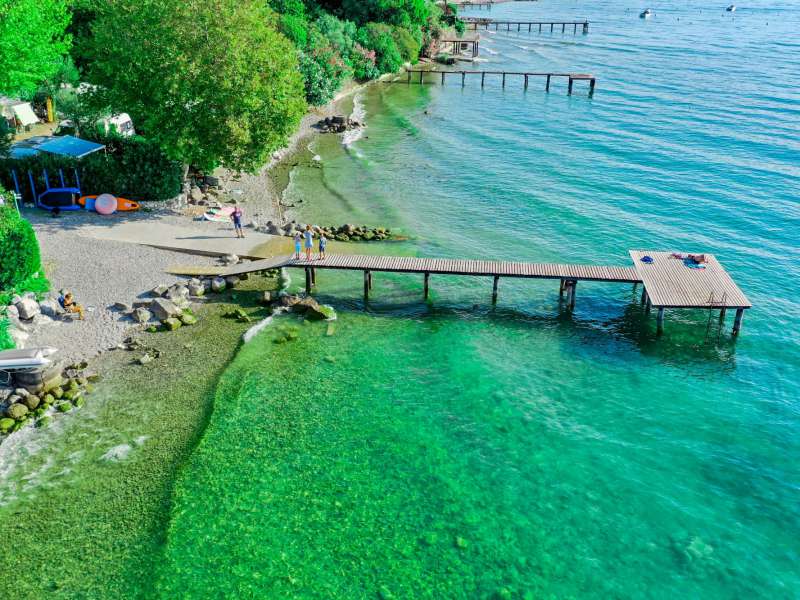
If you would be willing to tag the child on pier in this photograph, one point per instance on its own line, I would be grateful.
(297, 246)
(323, 242)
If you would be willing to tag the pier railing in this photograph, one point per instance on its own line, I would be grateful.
(524, 75)
(475, 24)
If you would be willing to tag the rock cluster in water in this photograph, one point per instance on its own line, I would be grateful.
(337, 124)
(340, 233)
(38, 397)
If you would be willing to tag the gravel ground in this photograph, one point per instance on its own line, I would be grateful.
(99, 273)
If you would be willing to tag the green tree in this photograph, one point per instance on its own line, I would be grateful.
(6, 136)
(213, 82)
(379, 37)
(33, 43)
(405, 13)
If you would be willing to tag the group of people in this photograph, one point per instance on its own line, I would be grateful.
(307, 240)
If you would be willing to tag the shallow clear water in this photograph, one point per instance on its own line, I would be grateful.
(454, 450)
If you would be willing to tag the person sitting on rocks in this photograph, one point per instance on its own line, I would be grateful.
(68, 303)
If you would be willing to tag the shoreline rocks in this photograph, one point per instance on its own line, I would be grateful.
(337, 124)
(341, 233)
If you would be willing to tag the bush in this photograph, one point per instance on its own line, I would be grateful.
(296, 29)
(134, 168)
(323, 72)
(19, 249)
(6, 343)
(406, 43)
(378, 37)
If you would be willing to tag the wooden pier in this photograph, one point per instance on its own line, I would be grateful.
(570, 77)
(668, 283)
(460, 44)
(473, 4)
(476, 23)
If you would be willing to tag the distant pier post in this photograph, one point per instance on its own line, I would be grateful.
(483, 78)
(660, 321)
(426, 285)
(366, 286)
(463, 77)
(586, 27)
(569, 87)
(421, 73)
(494, 288)
(443, 77)
(308, 281)
(547, 85)
(409, 78)
(592, 83)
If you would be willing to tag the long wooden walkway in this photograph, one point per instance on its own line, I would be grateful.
(668, 282)
(476, 23)
(525, 75)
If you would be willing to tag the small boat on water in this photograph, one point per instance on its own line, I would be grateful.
(26, 360)
(645, 14)
(731, 8)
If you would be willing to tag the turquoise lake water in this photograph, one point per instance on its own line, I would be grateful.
(451, 449)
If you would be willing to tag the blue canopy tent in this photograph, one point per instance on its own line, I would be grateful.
(65, 145)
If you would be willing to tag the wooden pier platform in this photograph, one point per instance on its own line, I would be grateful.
(476, 23)
(570, 77)
(668, 282)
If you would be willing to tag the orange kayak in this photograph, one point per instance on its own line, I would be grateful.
(123, 204)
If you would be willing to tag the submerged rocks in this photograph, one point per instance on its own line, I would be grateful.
(337, 124)
(172, 323)
(218, 284)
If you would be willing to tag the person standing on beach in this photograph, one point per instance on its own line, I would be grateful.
(309, 237)
(236, 216)
(297, 245)
(323, 242)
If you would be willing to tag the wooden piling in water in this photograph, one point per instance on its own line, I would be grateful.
(547, 85)
(737, 321)
(494, 288)
(308, 281)
(426, 285)
(660, 321)
(366, 286)
(569, 87)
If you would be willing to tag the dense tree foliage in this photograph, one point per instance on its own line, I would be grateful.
(33, 43)
(212, 82)
(355, 38)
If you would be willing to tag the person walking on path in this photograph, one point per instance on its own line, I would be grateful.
(309, 237)
(323, 242)
(297, 245)
(236, 215)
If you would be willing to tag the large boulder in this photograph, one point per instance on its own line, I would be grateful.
(288, 300)
(50, 308)
(141, 315)
(172, 323)
(218, 284)
(159, 290)
(307, 303)
(178, 294)
(232, 280)
(163, 309)
(28, 308)
(320, 312)
(17, 411)
(196, 289)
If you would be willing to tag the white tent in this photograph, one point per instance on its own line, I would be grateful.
(25, 114)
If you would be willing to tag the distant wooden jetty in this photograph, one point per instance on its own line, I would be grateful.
(525, 76)
(476, 23)
(668, 283)
(473, 4)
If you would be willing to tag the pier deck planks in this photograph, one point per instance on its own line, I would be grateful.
(671, 284)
